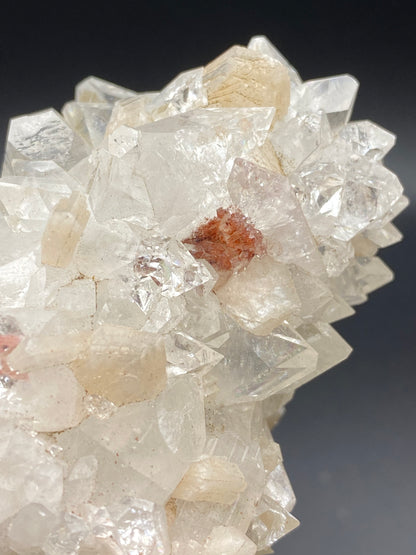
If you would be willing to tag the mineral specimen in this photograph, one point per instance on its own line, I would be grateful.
(171, 266)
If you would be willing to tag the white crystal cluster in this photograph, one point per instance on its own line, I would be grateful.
(142, 364)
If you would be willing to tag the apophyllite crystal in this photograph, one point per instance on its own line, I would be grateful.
(171, 265)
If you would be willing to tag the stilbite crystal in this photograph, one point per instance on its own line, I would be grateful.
(213, 479)
(122, 364)
(242, 77)
(173, 263)
(63, 231)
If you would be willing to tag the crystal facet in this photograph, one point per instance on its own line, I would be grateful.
(172, 265)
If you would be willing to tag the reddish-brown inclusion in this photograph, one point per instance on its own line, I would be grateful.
(228, 241)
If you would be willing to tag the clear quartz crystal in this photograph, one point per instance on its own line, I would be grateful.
(172, 265)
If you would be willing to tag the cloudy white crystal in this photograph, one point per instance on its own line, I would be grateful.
(141, 366)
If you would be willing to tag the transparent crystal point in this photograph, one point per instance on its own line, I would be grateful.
(46, 136)
(186, 354)
(117, 190)
(269, 202)
(335, 96)
(94, 89)
(295, 138)
(368, 139)
(256, 367)
(88, 119)
(169, 265)
(262, 45)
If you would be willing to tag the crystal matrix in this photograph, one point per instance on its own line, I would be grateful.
(172, 263)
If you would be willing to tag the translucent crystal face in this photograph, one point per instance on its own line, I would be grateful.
(172, 263)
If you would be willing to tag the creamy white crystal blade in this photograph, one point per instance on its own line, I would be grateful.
(171, 263)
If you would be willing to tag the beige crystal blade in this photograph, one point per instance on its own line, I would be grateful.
(122, 364)
(241, 78)
(63, 231)
(212, 479)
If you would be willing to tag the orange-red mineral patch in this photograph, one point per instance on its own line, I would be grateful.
(8, 343)
(228, 241)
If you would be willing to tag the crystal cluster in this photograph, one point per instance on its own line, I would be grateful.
(171, 266)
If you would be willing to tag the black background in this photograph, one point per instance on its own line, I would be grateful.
(348, 437)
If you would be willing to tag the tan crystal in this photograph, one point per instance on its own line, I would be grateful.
(214, 479)
(270, 453)
(242, 78)
(63, 230)
(265, 156)
(170, 510)
(276, 522)
(363, 246)
(122, 364)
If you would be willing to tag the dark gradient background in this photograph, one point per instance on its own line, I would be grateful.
(348, 437)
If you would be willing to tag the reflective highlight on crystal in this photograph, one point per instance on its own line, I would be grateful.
(172, 265)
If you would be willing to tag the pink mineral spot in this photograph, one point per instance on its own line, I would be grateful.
(228, 241)
(8, 343)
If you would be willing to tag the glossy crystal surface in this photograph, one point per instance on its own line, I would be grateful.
(172, 263)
